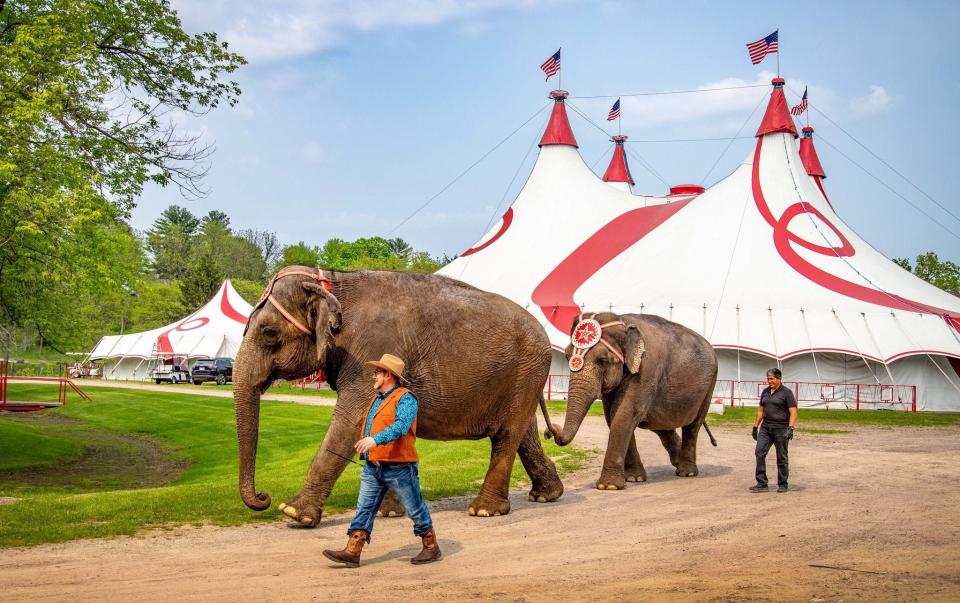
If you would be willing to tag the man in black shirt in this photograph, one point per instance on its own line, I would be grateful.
(776, 419)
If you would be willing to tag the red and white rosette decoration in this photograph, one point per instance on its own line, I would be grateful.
(586, 335)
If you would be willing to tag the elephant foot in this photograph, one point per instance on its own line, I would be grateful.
(487, 506)
(304, 513)
(687, 469)
(545, 491)
(635, 474)
(391, 506)
(610, 482)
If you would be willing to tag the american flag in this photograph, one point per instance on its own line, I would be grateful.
(762, 47)
(802, 106)
(551, 65)
(614, 111)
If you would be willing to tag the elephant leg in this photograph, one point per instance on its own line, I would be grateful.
(326, 466)
(493, 498)
(632, 467)
(671, 443)
(391, 506)
(622, 424)
(688, 449)
(543, 473)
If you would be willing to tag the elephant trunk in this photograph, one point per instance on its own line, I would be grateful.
(584, 389)
(246, 398)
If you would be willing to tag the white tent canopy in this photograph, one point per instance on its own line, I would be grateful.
(760, 264)
(213, 331)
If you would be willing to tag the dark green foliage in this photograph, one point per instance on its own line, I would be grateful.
(939, 273)
(201, 283)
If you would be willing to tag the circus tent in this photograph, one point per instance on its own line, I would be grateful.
(759, 263)
(213, 331)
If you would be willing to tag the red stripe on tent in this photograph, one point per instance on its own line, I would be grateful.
(229, 310)
(555, 294)
(505, 224)
(782, 237)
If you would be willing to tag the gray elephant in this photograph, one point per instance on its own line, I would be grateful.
(650, 373)
(476, 361)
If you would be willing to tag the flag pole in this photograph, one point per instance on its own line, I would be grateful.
(778, 52)
(560, 71)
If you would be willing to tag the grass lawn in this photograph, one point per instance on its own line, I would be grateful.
(133, 460)
(807, 416)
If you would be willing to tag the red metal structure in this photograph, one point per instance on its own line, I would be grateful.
(63, 384)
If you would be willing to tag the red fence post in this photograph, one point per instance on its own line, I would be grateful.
(913, 405)
(732, 382)
(858, 397)
(549, 388)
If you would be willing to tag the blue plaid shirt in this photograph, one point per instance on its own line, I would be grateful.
(406, 413)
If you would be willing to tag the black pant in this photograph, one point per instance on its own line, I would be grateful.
(772, 436)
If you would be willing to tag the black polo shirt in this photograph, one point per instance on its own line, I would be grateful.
(776, 406)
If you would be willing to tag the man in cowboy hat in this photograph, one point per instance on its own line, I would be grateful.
(388, 444)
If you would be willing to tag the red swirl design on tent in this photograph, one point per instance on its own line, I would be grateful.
(783, 237)
(229, 311)
(555, 294)
(504, 225)
(165, 347)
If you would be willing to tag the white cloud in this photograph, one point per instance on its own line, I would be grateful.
(288, 28)
(713, 113)
(876, 101)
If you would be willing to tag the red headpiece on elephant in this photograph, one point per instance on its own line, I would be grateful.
(588, 333)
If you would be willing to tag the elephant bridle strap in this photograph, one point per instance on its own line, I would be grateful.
(588, 333)
(267, 296)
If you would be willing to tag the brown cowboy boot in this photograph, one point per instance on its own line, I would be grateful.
(350, 555)
(430, 551)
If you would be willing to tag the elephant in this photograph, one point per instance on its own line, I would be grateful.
(650, 373)
(476, 361)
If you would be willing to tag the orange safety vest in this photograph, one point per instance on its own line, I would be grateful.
(401, 450)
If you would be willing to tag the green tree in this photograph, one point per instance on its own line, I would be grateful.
(248, 290)
(155, 304)
(941, 273)
(201, 283)
(400, 248)
(268, 244)
(903, 263)
(86, 88)
(171, 242)
(216, 216)
(300, 255)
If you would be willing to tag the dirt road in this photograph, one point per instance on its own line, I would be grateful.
(880, 502)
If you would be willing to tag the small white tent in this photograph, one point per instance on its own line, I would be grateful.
(213, 331)
(760, 264)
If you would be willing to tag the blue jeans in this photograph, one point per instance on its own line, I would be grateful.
(404, 480)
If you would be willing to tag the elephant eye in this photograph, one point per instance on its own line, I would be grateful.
(270, 334)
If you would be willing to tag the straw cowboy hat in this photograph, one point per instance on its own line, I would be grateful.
(389, 363)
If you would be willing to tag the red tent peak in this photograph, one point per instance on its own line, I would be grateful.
(558, 129)
(808, 154)
(777, 118)
(618, 170)
(686, 189)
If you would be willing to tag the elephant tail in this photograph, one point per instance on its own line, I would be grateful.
(712, 439)
(548, 432)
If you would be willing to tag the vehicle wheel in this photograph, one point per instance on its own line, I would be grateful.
(173, 379)
(159, 381)
(198, 382)
(221, 380)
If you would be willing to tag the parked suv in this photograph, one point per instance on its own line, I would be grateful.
(218, 369)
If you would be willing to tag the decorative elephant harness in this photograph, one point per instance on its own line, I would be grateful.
(587, 334)
(268, 295)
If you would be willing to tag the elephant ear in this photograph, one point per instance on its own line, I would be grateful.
(325, 322)
(633, 350)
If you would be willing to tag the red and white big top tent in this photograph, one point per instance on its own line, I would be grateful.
(759, 263)
(213, 331)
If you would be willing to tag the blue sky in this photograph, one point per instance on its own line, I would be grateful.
(353, 114)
